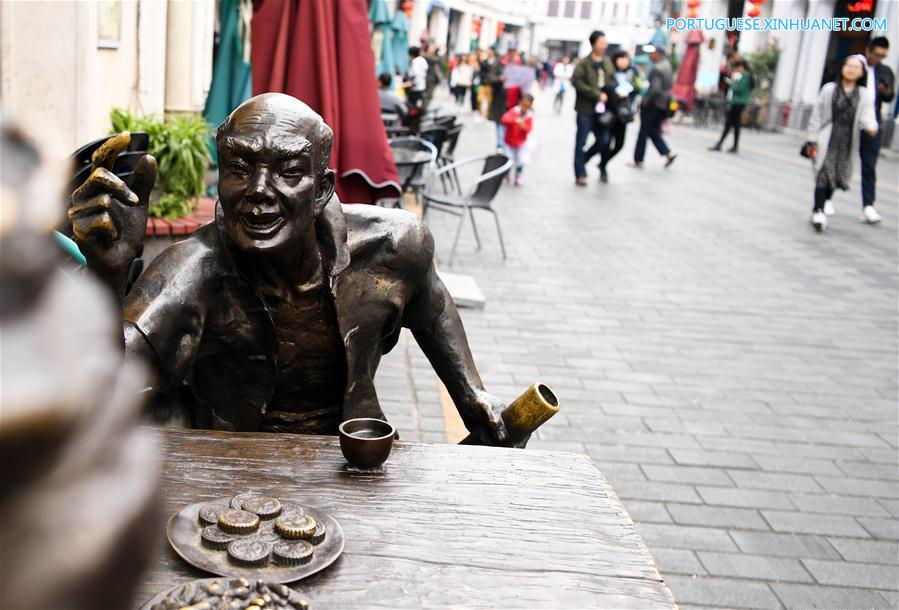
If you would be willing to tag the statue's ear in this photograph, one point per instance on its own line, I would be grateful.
(324, 190)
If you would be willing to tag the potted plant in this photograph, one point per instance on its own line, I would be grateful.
(763, 64)
(179, 144)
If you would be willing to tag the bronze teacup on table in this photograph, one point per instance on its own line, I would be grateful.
(366, 442)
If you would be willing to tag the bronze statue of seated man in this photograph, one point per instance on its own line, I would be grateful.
(275, 316)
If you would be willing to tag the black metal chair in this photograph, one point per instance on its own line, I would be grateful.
(479, 196)
(436, 136)
(411, 155)
(447, 156)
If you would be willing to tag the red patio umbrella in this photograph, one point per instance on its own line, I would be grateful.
(684, 88)
(320, 52)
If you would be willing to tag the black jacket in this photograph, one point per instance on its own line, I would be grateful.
(883, 75)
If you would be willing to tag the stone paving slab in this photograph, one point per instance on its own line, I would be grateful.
(731, 372)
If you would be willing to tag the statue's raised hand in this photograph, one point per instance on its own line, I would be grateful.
(109, 217)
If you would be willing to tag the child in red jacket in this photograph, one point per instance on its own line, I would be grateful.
(519, 120)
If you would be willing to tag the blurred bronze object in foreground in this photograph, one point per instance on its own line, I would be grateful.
(526, 413)
(78, 484)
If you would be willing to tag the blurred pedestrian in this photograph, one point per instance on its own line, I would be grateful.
(461, 78)
(416, 77)
(654, 108)
(843, 109)
(475, 81)
(562, 72)
(621, 93)
(739, 90)
(881, 83)
(390, 100)
(588, 79)
(519, 122)
(492, 73)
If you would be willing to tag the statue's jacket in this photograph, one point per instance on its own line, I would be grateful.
(213, 338)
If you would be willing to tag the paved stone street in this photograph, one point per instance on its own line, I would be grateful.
(731, 372)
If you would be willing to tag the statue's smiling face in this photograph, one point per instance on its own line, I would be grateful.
(271, 181)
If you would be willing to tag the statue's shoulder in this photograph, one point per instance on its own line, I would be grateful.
(187, 263)
(389, 233)
(200, 246)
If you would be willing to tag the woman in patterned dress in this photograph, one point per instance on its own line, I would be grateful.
(844, 108)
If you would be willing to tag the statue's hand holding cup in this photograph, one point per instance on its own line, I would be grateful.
(108, 216)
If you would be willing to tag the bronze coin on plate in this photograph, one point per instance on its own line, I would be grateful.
(238, 500)
(319, 534)
(289, 507)
(209, 514)
(264, 506)
(295, 526)
(294, 552)
(250, 552)
(238, 521)
(215, 538)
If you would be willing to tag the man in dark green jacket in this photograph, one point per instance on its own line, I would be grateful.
(589, 77)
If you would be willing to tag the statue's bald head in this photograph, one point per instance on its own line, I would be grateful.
(279, 116)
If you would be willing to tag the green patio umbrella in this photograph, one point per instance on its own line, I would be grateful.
(381, 33)
(231, 75)
(399, 43)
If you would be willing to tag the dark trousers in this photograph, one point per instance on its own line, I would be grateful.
(474, 96)
(587, 124)
(615, 144)
(650, 127)
(822, 194)
(869, 149)
(733, 120)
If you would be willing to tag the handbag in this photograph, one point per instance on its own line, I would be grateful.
(809, 150)
(605, 119)
(625, 114)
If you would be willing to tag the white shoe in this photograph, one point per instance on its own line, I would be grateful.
(819, 221)
(870, 215)
(829, 210)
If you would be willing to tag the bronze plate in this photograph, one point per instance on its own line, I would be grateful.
(184, 535)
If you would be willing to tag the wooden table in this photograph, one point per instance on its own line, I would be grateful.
(442, 525)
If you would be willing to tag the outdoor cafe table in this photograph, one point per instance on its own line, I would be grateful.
(441, 525)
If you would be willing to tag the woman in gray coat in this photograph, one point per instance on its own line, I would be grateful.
(843, 109)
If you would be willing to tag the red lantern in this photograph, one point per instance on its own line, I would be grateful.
(500, 28)
(755, 11)
(693, 4)
(691, 14)
(475, 27)
(757, 2)
(407, 8)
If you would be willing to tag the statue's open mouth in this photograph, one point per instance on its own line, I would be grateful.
(262, 225)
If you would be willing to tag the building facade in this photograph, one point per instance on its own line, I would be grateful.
(65, 65)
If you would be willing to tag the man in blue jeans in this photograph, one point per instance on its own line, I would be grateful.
(589, 77)
(654, 109)
(881, 81)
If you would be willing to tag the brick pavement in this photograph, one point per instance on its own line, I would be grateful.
(732, 373)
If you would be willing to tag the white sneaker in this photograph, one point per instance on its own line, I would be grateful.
(819, 221)
(829, 210)
(870, 215)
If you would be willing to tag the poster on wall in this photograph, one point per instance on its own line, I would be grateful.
(109, 24)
